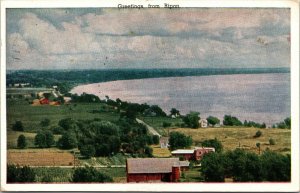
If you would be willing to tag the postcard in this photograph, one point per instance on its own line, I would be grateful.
(150, 96)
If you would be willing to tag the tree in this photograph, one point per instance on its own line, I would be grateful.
(45, 122)
(44, 139)
(166, 124)
(215, 143)
(67, 141)
(18, 126)
(212, 167)
(87, 151)
(20, 174)
(174, 112)
(258, 146)
(213, 120)
(21, 142)
(155, 139)
(287, 122)
(179, 140)
(231, 121)
(276, 167)
(148, 151)
(192, 119)
(89, 174)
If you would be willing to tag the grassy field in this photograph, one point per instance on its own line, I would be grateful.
(233, 137)
(160, 152)
(117, 159)
(56, 174)
(12, 137)
(31, 116)
(191, 175)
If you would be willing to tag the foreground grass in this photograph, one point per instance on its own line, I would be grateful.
(56, 174)
(242, 137)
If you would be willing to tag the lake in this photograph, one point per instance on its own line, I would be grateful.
(257, 97)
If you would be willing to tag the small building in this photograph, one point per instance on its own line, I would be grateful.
(164, 142)
(153, 169)
(203, 123)
(192, 154)
(44, 101)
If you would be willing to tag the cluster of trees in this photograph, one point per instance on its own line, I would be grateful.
(231, 121)
(286, 124)
(192, 119)
(213, 143)
(254, 124)
(26, 174)
(245, 166)
(85, 98)
(178, 140)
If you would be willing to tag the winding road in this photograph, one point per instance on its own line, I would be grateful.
(150, 129)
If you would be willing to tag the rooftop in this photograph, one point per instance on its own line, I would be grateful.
(151, 165)
(183, 151)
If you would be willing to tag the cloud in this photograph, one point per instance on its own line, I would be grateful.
(112, 38)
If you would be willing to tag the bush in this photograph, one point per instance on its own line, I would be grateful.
(272, 141)
(44, 139)
(90, 174)
(155, 139)
(18, 126)
(20, 174)
(21, 142)
(88, 151)
(45, 122)
(166, 124)
(257, 134)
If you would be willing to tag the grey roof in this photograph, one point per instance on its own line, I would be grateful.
(151, 165)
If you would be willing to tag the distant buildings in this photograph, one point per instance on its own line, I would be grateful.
(192, 154)
(203, 123)
(154, 169)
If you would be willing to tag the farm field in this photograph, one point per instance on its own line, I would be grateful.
(40, 157)
(31, 116)
(12, 137)
(234, 137)
(160, 152)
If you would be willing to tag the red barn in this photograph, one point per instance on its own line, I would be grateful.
(153, 169)
(44, 101)
(192, 154)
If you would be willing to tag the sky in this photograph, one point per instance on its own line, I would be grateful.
(105, 38)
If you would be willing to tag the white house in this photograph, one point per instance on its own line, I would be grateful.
(203, 123)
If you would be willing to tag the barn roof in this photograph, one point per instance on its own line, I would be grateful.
(183, 151)
(151, 165)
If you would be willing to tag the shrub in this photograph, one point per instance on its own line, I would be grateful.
(21, 142)
(155, 139)
(88, 151)
(257, 134)
(90, 174)
(272, 141)
(45, 122)
(213, 120)
(18, 126)
(20, 174)
(166, 124)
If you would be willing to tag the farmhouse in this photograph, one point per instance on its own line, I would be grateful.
(164, 142)
(192, 154)
(154, 169)
(203, 123)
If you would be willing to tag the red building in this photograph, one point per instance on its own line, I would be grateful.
(192, 154)
(153, 169)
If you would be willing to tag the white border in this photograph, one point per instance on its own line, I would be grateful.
(183, 187)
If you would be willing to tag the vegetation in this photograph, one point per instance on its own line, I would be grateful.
(45, 122)
(87, 151)
(179, 140)
(231, 121)
(22, 142)
(272, 141)
(215, 143)
(90, 174)
(286, 124)
(68, 141)
(192, 119)
(254, 124)
(18, 126)
(245, 166)
(20, 174)
(213, 120)
(44, 139)
(257, 134)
